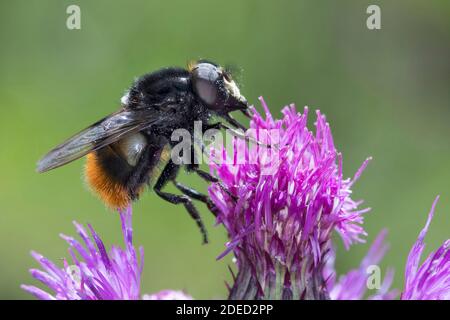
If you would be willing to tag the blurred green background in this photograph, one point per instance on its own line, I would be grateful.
(385, 93)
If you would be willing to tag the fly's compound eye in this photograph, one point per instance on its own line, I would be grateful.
(206, 80)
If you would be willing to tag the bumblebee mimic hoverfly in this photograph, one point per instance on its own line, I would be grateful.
(124, 148)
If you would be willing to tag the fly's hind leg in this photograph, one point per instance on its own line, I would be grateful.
(194, 194)
(211, 179)
(169, 174)
(194, 167)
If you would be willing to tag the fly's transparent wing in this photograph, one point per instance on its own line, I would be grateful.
(102, 133)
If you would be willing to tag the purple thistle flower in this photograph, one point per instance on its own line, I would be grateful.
(431, 280)
(98, 275)
(280, 224)
(353, 285)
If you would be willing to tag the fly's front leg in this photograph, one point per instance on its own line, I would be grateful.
(240, 133)
(234, 122)
(169, 174)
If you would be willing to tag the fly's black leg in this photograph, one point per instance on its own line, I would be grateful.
(234, 122)
(187, 202)
(194, 194)
(237, 133)
(209, 178)
(193, 167)
(190, 192)
(229, 118)
(247, 113)
(169, 174)
(204, 175)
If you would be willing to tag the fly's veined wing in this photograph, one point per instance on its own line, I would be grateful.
(96, 136)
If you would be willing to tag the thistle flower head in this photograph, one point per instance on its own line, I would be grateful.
(281, 205)
(431, 280)
(94, 274)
